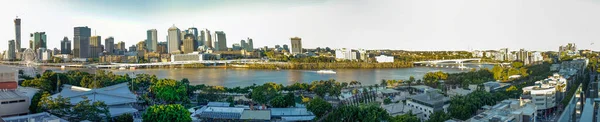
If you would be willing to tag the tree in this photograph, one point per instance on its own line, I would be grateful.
(290, 99)
(387, 101)
(167, 113)
(383, 83)
(439, 116)
(88, 110)
(263, 94)
(318, 106)
(124, 118)
(408, 117)
(169, 90)
(278, 102)
(34, 107)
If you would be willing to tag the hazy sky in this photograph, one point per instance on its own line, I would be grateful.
(370, 24)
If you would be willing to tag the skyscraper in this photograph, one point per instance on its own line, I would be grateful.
(296, 45)
(11, 54)
(194, 32)
(18, 34)
(39, 40)
(174, 39)
(120, 47)
(201, 38)
(109, 45)
(243, 44)
(151, 40)
(189, 44)
(250, 46)
(221, 41)
(65, 46)
(81, 39)
(95, 45)
(161, 47)
(208, 39)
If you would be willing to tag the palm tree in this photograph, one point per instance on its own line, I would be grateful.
(383, 83)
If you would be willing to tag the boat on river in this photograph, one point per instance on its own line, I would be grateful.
(326, 72)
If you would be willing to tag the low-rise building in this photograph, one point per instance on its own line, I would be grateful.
(384, 59)
(13, 103)
(511, 110)
(427, 103)
(118, 98)
(38, 117)
(193, 57)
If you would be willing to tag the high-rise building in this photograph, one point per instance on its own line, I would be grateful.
(141, 46)
(18, 34)
(95, 45)
(81, 39)
(208, 39)
(174, 39)
(201, 38)
(250, 46)
(221, 40)
(236, 47)
(132, 48)
(151, 40)
(161, 48)
(243, 44)
(39, 40)
(286, 47)
(189, 44)
(120, 48)
(296, 45)
(65, 46)
(109, 45)
(11, 54)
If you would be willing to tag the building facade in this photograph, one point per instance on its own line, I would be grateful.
(65, 46)
(174, 39)
(81, 42)
(95, 45)
(221, 41)
(208, 38)
(18, 34)
(384, 59)
(109, 45)
(296, 45)
(39, 40)
(11, 53)
(189, 44)
(151, 40)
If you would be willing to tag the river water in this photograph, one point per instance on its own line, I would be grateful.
(232, 77)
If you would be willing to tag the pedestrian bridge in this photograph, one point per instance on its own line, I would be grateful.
(458, 61)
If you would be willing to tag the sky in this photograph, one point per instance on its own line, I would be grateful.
(369, 24)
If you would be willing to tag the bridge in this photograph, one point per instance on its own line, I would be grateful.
(457, 61)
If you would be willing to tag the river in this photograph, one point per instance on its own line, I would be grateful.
(232, 77)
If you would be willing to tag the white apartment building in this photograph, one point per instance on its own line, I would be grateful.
(511, 110)
(346, 54)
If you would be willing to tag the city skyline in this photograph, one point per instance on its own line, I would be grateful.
(388, 24)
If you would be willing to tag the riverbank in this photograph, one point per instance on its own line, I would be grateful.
(349, 65)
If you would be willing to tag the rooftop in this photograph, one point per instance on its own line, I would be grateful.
(290, 112)
(39, 117)
(430, 98)
(11, 94)
(256, 115)
(505, 111)
(218, 104)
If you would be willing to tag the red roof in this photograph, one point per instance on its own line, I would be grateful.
(8, 85)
